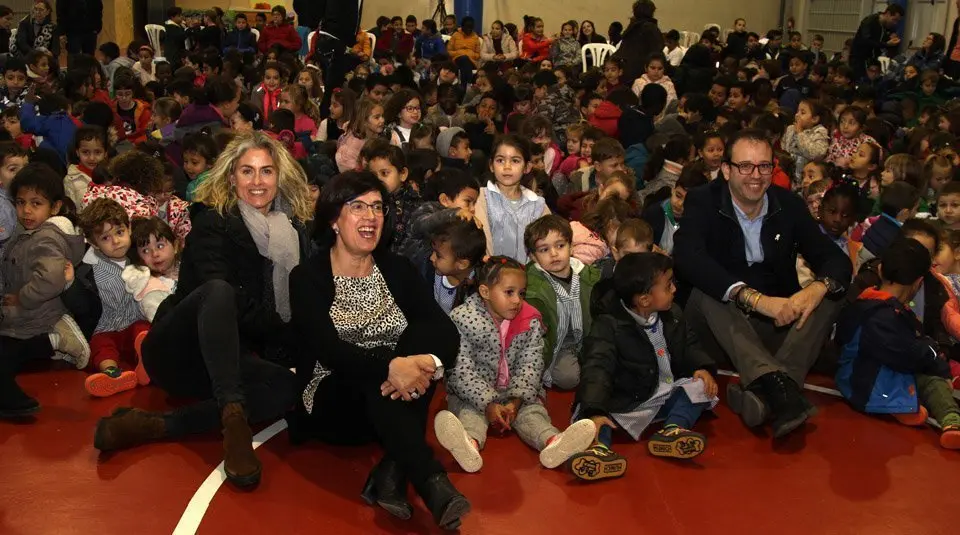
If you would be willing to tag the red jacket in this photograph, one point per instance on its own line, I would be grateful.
(606, 118)
(141, 118)
(404, 47)
(534, 49)
(284, 35)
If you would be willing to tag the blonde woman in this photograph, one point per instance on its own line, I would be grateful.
(231, 301)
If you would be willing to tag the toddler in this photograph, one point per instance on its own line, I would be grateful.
(122, 325)
(34, 322)
(155, 262)
(640, 366)
(806, 139)
(497, 378)
(559, 287)
(88, 151)
(948, 206)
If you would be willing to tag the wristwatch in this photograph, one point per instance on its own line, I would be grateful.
(832, 286)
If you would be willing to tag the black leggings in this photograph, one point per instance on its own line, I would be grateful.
(351, 413)
(194, 351)
(14, 353)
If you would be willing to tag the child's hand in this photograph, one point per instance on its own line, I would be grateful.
(601, 421)
(497, 415)
(11, 300)
(710, 387)
(68, 273)
(513, 407)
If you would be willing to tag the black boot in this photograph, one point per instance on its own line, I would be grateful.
(444, 501)
(386, 486)
(748, 403)
(786, 401)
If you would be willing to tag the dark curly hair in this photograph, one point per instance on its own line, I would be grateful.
(138, 170)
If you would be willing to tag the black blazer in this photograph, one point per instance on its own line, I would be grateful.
(174, 44)
(221, 248)
(709, 250)
(429, 330)
(618, 365)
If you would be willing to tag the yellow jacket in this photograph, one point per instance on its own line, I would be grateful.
(463, 45)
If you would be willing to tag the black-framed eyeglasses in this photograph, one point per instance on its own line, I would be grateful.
(360, 208)
(746, 168)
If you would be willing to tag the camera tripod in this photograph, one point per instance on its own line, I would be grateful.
(440, 14)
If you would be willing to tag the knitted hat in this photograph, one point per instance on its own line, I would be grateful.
(445, 139)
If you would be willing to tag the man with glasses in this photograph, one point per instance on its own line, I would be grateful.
(738, 249)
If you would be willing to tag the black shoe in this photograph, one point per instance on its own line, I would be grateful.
(444, 501)
(386, 486)
(789, 407)
(15, 403)
(597, 462)
(748, 404)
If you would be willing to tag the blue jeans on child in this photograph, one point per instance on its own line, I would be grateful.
(678, 410)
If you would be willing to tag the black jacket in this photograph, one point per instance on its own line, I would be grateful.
(640, 39)
(709, 246)
(736, 45)
(618, 366)
(429, 330)
(310, 12)
(869, 42)
(221, 248)
(210, 37)
(342, 20)
(79, 16)
(174, 44)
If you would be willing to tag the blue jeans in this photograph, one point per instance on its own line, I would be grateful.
(678, 410)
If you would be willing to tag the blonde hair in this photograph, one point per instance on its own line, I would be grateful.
(218, 193)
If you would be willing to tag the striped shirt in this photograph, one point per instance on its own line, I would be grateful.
(120, 309)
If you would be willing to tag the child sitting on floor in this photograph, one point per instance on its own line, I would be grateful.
(88, 150)
(458, 248)
(641, 365)
(122, 324)
(497, 377)
(34, 322)
(152, 276)
(559, 287)
(446, 194)
(886, 367)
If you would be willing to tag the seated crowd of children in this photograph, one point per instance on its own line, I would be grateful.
(539, 199)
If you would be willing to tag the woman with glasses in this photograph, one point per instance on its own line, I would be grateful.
(374, 344)
(37, 31)
(220, 336)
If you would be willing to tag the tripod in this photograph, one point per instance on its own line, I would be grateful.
(440, 14)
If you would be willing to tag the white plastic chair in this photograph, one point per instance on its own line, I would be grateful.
(153, 35)
(373, 43)
(256, 34)
(712, 25)
(310, 37)
(688, 39)
(884, 64)
(598, 51)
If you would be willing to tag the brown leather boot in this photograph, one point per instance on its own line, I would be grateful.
(239, 461)
(128, 427)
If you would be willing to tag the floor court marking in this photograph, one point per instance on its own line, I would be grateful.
(197, 507)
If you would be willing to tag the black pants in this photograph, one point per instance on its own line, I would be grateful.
(194, 351)
(466, 67)
(82, 43)
(14, 353)
(350, 413)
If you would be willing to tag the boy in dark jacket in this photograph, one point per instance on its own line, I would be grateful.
(241, 37)
(886, 365)
(174, 37)
(640, 364)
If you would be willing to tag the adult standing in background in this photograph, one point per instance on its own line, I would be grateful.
(6, 21)
(641, 39)
(309, 12)
(80, 21)
(341, 20)
(951, 64)
(873, 38)
(175, 37)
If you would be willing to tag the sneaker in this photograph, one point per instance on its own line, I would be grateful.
(950, 437)
(746, 403)
(454, 438)
(574, 439)
(108, 383)
(598, 462)
(72, 341)
(142, 378)
(677, 443)
(913, 419)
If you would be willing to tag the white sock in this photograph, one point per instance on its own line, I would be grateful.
(54, 340)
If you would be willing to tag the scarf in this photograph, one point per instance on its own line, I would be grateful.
(43, 37)
(271, 101)
(277, 241)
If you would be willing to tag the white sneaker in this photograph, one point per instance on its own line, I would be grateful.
(454, 438)
(72, 341)
(576, 438)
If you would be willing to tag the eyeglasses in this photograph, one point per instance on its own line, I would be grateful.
(411, 109)
(360, 208)
(746, 168)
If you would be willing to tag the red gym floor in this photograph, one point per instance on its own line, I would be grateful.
(846, 474)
